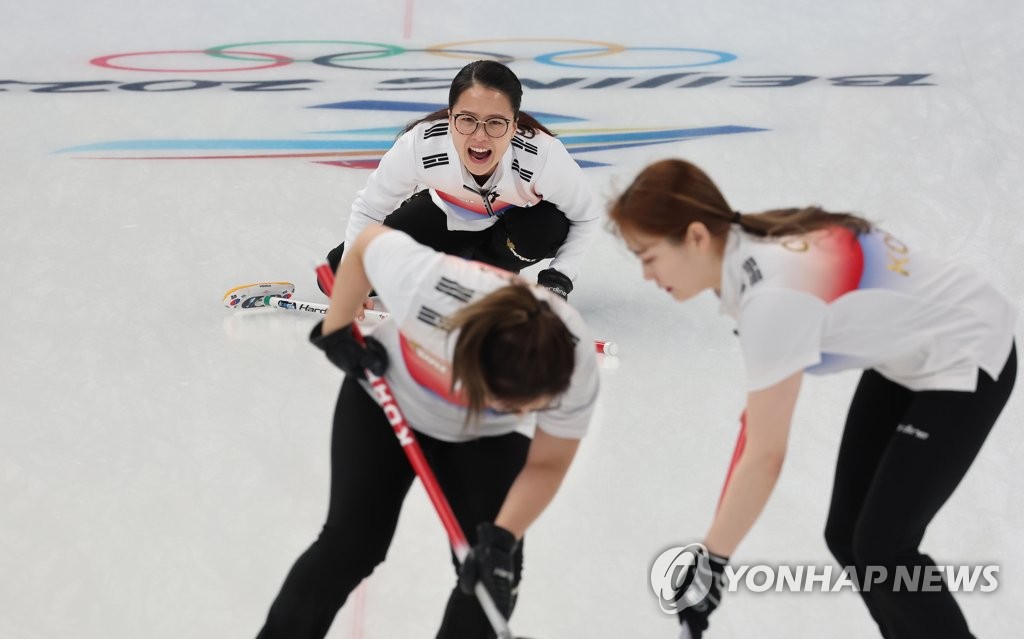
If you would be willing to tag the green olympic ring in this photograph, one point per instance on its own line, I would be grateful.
(328, 61)
(386, 50)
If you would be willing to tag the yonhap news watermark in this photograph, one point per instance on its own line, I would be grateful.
(809, 578)
(678, 570)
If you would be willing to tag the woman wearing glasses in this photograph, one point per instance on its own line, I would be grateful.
(497, 377)
(499, 187)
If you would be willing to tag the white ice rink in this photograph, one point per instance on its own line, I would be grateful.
(163, 460)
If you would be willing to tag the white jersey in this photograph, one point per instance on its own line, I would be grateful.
(531, 170)
(830, 300)
(421, 288)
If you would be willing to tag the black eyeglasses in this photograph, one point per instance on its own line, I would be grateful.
(467, 125)
(503, 409)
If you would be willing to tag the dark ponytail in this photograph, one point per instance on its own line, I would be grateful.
(781, 222)
(668, 196)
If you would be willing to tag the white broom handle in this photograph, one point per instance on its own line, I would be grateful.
(602, 346)
(313, 307)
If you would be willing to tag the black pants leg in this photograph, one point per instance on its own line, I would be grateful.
(370, 477)
(903, 454)
(476, 476)
(419, 218)
(522, 237)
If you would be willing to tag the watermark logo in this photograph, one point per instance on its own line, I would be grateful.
(681, 578)
(811, 578)
(674, 577)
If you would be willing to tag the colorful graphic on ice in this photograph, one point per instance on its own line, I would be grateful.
(363, 148)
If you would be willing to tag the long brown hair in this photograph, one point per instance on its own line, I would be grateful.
(511, 347)
(492, 75)
(669, 195)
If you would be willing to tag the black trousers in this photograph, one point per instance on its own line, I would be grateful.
(521, 237)
(370, 476)
(902, 455)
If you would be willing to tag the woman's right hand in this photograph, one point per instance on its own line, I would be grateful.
(367, 306)
(345, 351)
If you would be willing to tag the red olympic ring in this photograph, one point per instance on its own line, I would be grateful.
(104, 61)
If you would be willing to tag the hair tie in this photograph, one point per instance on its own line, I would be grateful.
(736, 215)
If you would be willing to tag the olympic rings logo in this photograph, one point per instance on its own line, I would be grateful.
(362, 56)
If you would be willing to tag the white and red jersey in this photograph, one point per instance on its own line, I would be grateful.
(831, 300)
(532, 169)
(421, 289)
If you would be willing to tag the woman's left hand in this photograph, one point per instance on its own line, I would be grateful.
(492, 562)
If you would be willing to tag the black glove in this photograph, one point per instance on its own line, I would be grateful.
(334, 256)
(333, 260)
(348, 354)
(701, 592)
(492, 561)
(556, 282)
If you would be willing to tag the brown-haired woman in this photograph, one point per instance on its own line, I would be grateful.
(820, 292)
(498, 187)
(497, 378)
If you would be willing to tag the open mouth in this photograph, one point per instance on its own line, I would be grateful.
(479, 155)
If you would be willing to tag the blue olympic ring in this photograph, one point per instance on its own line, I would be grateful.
(720, 57)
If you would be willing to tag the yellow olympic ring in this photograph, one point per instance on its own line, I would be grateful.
(610, 47)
